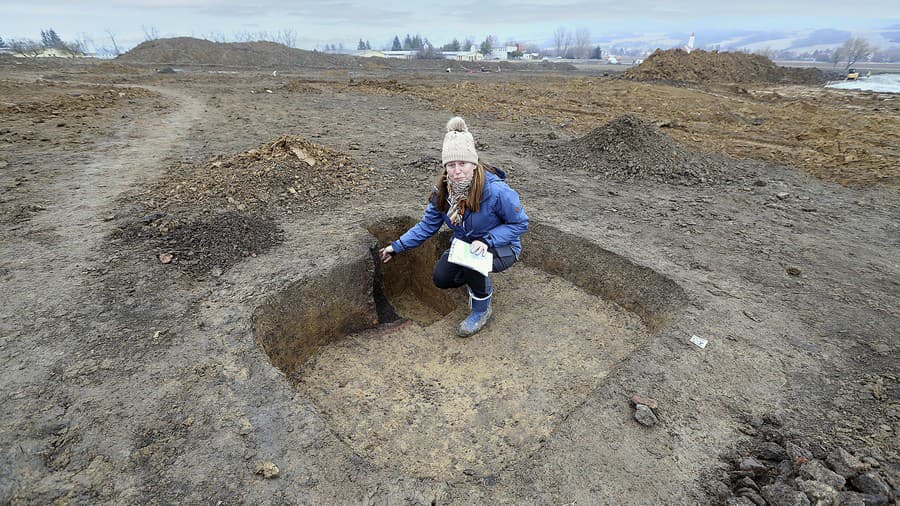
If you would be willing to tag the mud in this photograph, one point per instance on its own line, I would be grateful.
(126, 380)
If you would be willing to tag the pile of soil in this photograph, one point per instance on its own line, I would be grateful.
(776, 468)
(213, 215)
(629, 148)
(425, 164)
(300, 86)
(389, 87)
(191, 51)
(207, 245)
(289, 173)
(714, 67)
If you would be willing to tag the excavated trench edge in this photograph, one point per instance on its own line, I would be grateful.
(290, 326)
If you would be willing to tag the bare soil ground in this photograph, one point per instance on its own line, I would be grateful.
(147, 216)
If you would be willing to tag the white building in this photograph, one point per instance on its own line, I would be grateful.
(502, 53)
(463, 55)
(403, 55)
(370, 53)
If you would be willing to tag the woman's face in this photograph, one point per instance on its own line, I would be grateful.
(459, 171)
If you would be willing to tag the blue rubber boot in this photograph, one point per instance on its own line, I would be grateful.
(481, 313)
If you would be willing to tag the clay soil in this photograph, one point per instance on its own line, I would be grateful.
(145, 217)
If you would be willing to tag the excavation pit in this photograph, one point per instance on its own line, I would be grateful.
(409, 395)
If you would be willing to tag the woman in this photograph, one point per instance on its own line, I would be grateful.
(481, 209)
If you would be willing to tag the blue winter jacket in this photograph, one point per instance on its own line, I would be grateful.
(499, 222)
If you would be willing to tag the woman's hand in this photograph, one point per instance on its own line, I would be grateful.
(478, 248)
(387, 253)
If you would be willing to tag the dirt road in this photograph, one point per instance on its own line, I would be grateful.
(128, 380)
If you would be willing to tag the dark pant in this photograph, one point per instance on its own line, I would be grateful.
(449, 275)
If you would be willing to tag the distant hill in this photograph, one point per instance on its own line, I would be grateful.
(188, 51)
(754, 40)
(191, 51)
(819, 37)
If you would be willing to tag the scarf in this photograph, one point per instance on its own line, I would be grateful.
(457, 193)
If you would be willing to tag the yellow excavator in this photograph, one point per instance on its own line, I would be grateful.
(852, 75)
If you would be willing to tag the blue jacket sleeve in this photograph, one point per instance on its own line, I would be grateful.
(511, 211)
(428, 226)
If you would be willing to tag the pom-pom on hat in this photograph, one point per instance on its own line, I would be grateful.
(459, 145)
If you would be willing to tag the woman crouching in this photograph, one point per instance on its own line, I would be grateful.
(481, 209)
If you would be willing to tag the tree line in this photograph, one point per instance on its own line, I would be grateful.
(109, 46)
(854, 50)
(49, 40)
(567, 43)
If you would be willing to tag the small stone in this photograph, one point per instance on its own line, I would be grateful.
(245, 426)
(793, 271)
(739, 501)
(748, 430)
(785, 470)
(871, 483)
(773, 419)
(770, 451)
(165, 258)
(845, 464)
(816, 471)
(871, 461)
(780, 494)
(646, 401)
(751, 464)
(753, 496)
(644, 415)
(759, 182)
(817, 492)
(723, 491)
(747, 482)
(267, 470)
(858, 499)
(782, 195)
(150, 218)
(797, 454)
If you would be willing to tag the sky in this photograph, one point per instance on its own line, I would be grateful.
(316, 23)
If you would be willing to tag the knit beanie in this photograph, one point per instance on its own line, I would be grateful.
(459, 145)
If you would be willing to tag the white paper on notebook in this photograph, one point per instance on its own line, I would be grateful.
(461, 254)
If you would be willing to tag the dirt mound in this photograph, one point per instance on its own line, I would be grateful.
(206, 245)
(629, 148)
(215, 214)
(289, 173)
(714, 67)
(191, 51)
(300, 86)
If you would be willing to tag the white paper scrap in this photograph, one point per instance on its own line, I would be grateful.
(699, 341)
